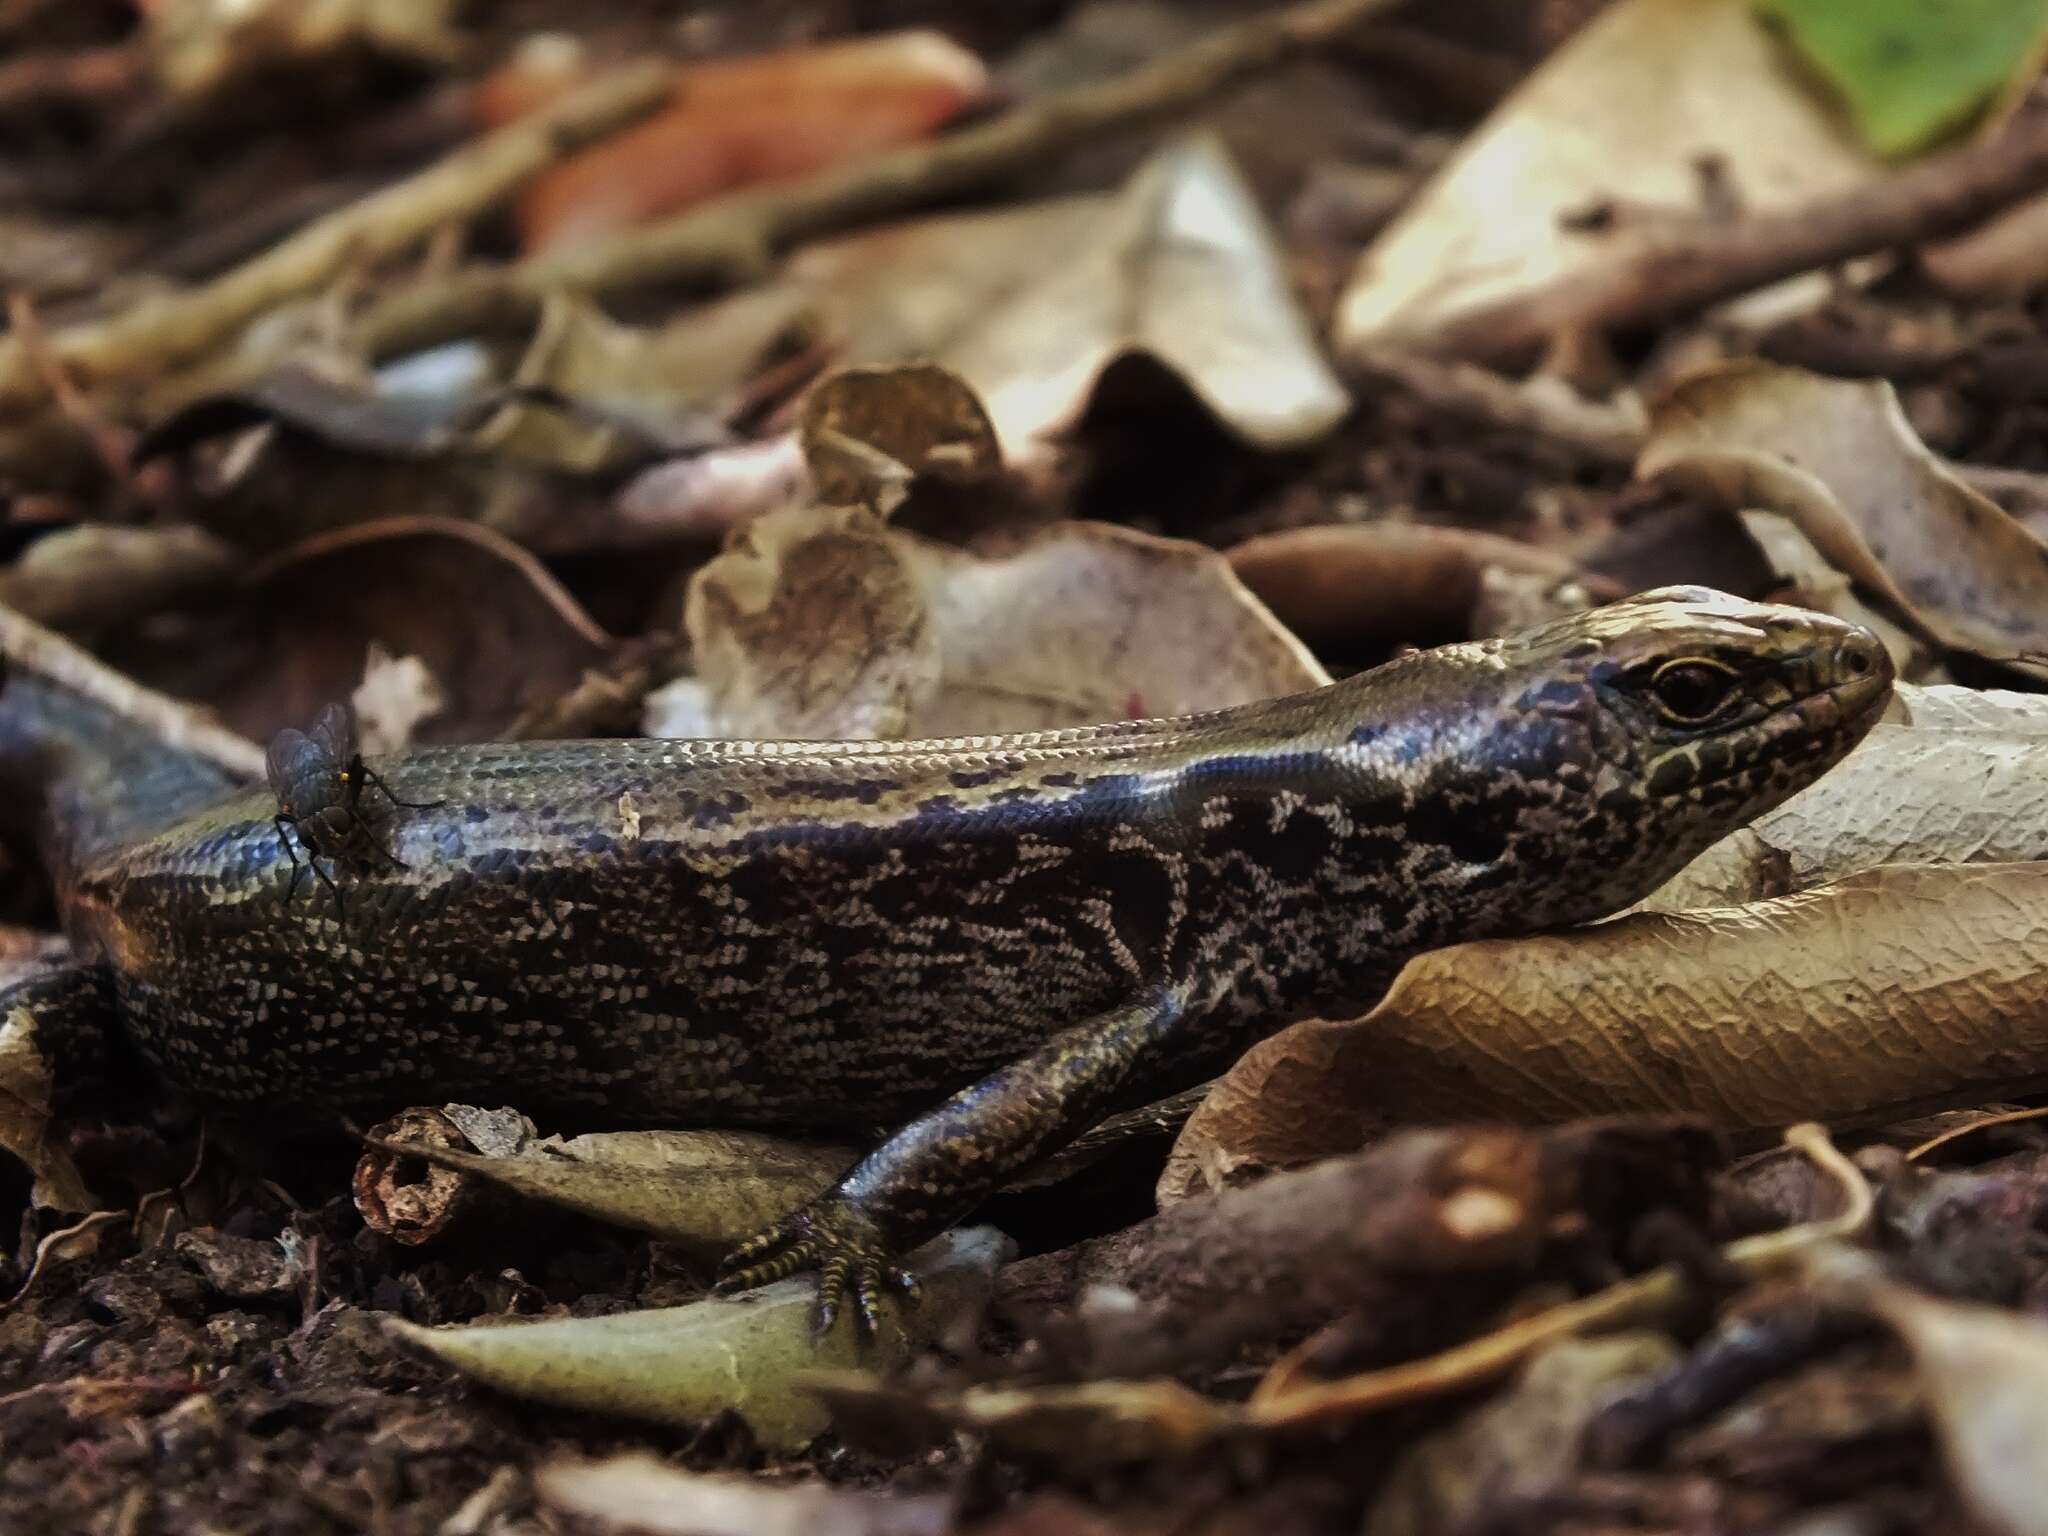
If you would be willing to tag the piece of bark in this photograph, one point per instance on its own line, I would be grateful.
(1354, 1233)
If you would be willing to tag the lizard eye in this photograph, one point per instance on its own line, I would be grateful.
(1694, 690)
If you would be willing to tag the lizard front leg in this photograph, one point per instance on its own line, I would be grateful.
(946, 1161)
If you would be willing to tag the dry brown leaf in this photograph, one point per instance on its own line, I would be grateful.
(1899, 988)
(868, 432)
(1030, 306)
(1620, 117)
(826, 623)
(1839, 458)
(1365, 586)
(496, 630)
(734, 122)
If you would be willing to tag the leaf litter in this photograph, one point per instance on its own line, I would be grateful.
(970, 472)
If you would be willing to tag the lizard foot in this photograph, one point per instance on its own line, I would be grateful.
(843, 1245)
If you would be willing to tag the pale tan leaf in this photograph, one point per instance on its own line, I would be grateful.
(1030, 306)
(704, 1190)
(1091, 622)
(1621, 116)
(1985, 1373)
(1839, 458)
(598, 394)
(1907, 794)
(638, 1492)
(1950, 708)
(813, 624)
(1898, 989)
(827, 623)
(683, 1365)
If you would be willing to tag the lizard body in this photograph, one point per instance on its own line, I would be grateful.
(990, 943)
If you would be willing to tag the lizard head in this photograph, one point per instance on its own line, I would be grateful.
(1584, 762)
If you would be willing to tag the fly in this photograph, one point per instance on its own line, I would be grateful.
(319, 778)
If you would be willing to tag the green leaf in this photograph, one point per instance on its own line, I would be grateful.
(1912, 72)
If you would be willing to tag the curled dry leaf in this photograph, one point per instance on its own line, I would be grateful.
(825, 622)
(1030, 306)
(867, 432)
(1366, 586)
(25, 1111)
(1899, 988)
(1621, 118)
(1839, 458)
(703, 1190)
(498, 633)
(638, 1492)
(392, 1196)
(2004, 259)
(682, 1365)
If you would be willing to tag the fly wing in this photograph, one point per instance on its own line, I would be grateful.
(334, 731)
(291, 757)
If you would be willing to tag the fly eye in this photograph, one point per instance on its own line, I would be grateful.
(1691, 692)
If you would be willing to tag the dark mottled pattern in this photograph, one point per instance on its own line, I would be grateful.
(1049, 927)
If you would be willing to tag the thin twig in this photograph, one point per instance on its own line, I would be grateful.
(1683, 272)
(27, 644)
(733, 235)
(1982, 1123)
(1285, 1403)
(159, 333)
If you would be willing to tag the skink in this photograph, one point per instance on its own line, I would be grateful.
(979, 946)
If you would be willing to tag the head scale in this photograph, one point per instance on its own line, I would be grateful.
(1573, 768)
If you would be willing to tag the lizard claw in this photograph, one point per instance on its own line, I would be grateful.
(843, 1245)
